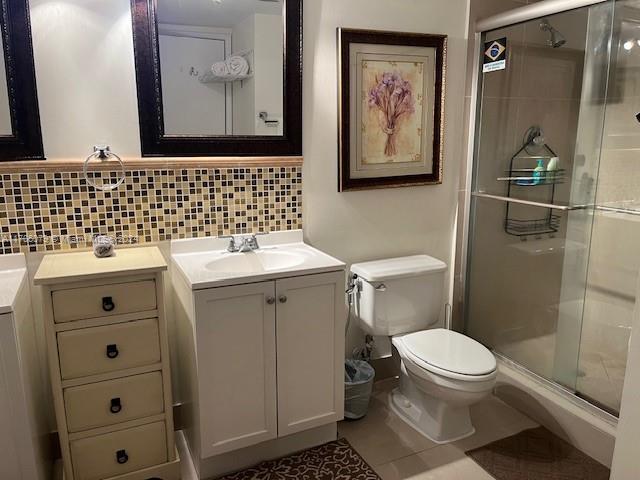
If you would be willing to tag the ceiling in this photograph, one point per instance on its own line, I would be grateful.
(209, 13)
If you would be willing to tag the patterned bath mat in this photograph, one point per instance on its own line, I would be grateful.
(332, 461)
(537, 454)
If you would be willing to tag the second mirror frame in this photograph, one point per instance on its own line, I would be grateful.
(154, 141)
(25, 140)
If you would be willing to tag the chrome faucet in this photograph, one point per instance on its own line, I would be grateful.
(244, 244)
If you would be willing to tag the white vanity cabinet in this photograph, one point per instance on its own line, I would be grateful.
(270, 359)
(260, 338)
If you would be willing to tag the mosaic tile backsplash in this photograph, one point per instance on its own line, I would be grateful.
(59, 211)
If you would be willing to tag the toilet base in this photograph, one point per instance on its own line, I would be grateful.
(446, 427)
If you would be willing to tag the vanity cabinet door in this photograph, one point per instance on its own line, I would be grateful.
(236, 347)
(310, 325)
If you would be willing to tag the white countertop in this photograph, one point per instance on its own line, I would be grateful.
(13, 272)
(191, 258)
(70, 267)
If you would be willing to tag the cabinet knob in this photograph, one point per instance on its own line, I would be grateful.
(122, 457)
(283, 299)
(107, 304)
(116, 405)
(271, 300)
(112, 351)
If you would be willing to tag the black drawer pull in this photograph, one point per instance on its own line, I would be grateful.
(107, 304)
(122, 457)
(116, 405)
(112, 351)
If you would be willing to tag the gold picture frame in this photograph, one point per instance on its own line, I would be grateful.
(391, 109)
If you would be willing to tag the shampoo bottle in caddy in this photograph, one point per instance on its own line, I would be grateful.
(552, 167)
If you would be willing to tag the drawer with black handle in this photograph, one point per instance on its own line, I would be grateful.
(96, 350)
(115, 401)
(120, 452)
(103, 300)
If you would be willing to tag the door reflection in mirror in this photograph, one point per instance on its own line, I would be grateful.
(221, 65)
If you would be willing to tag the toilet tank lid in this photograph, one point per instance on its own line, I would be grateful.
(391, 268)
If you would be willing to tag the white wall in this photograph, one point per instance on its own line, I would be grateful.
(367, 225)
(625, 457)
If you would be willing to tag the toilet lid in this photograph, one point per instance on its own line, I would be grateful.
(450, 351)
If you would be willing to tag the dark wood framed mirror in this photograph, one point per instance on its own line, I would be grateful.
(20, 133)
(219, 78)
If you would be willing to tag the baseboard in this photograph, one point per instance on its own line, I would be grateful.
(215, 467)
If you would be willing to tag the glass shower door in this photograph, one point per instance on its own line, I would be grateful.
(537, 155)
(614, 260)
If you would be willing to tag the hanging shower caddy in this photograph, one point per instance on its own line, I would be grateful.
(522, 175)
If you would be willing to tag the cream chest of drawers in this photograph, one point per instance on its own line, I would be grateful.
(109, 364)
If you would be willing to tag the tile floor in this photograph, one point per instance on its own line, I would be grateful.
(396, 451)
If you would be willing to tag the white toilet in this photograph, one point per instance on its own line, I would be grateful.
(443, 372)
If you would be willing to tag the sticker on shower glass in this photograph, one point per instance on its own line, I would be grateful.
(495, 55)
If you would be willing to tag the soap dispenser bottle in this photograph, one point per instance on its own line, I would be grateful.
(539, 173)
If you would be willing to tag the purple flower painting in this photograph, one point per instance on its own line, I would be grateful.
(393, 97)
(391, 109)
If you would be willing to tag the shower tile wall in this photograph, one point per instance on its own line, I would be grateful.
(614, 261)
(517, 284)
(58, 211)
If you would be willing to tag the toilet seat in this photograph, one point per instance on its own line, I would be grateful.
(447, 353)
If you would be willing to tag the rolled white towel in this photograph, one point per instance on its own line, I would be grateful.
(237, 65)
(220, 69)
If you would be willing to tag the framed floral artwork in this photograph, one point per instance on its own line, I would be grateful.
(391, 109)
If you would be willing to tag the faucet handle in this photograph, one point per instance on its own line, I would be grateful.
(251, 242)
(232, 242)
(255, 240)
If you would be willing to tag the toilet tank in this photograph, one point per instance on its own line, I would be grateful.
(398, 295)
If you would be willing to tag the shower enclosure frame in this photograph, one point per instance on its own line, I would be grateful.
(506, 19)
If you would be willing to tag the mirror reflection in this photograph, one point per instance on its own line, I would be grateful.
(5, 113)
(221, 64)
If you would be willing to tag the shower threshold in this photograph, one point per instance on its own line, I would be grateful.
(581, 401)
(584, 425)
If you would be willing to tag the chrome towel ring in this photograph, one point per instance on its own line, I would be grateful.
(104, 154)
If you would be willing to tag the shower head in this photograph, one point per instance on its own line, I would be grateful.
(556, 39)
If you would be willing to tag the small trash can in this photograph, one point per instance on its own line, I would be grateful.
(358, 383)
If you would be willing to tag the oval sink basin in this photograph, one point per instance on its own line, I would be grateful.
(255, 262)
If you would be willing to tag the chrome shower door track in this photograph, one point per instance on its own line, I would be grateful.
(531, 12)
